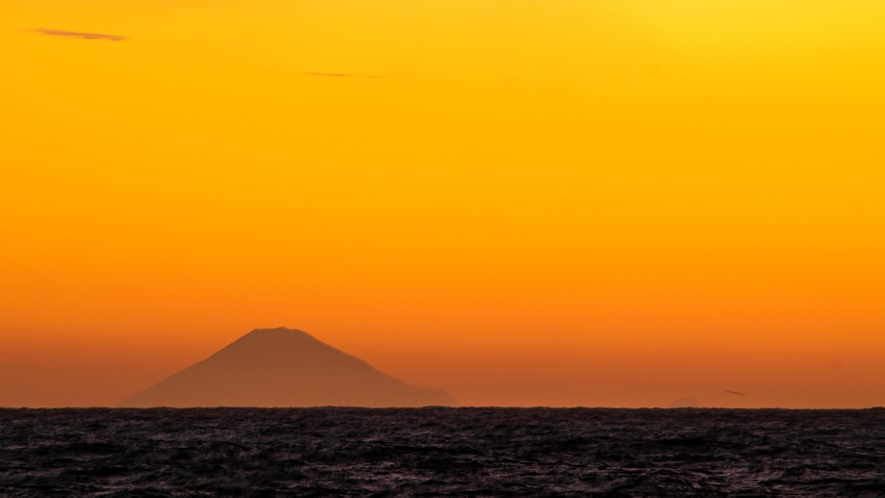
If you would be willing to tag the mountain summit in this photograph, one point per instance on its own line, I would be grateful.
(280, 368)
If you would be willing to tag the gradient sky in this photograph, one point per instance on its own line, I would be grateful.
(525, 202)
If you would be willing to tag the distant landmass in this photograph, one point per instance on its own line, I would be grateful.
(284, 368)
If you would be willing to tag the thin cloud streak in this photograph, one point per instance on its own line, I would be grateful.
(344, 75)
(75, 34)
(533, 79)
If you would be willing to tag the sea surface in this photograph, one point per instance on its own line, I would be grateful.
(441, 451)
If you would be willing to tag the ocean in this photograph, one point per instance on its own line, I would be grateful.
(441, 452)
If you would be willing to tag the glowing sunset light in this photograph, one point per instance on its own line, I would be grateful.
(525, 202)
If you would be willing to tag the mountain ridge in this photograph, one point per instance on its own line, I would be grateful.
(283, 367)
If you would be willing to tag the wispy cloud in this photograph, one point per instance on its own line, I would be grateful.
(533, 79)
(76, 34)
(345, 75)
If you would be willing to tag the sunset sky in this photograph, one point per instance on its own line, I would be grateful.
(524, 202)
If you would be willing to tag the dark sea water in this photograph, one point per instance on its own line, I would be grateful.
(441, 451)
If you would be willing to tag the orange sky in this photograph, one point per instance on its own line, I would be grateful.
(569, 202)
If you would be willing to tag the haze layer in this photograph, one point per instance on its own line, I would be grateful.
(597, 202)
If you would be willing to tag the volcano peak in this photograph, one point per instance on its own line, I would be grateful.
(283, 367)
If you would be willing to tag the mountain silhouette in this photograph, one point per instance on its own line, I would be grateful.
(281, 368)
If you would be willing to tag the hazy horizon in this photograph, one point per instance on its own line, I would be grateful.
(701, 398)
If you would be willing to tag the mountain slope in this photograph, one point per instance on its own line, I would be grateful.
(279, 368)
